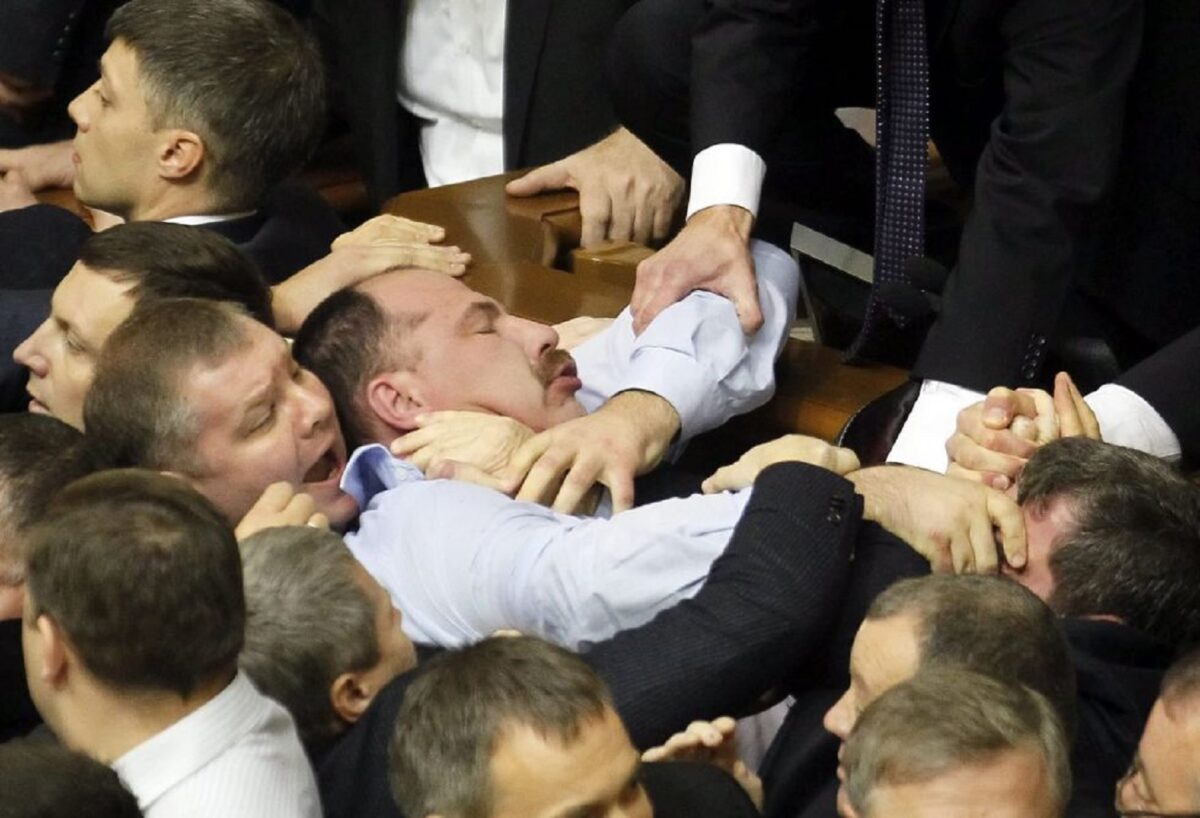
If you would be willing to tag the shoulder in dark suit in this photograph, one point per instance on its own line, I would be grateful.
(766, 606)
(554, 96)
(292, 230)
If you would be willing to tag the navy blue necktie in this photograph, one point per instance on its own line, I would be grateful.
(901, 152)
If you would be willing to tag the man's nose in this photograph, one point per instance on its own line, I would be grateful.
(316, 407)
(839, 719)
(29, 352)
(534, 337)
(77, 110)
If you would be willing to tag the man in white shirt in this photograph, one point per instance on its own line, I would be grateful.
(134, 617)
(437, 92)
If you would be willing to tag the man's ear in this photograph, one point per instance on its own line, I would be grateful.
(396, 398)
(350, 697)
(56, 656)
(181, 154)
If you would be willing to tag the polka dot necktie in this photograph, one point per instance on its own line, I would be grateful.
(901, 139)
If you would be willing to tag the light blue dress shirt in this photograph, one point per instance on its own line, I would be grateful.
(461, 561)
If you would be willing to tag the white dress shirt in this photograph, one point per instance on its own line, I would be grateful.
(237, 756)
(451, 75)
(462, 561)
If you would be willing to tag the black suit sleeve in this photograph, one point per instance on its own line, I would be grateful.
(768, 599)
(1167, 381)
(746, 56)
(1040, 187)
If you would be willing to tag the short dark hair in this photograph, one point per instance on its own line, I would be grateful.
(243, 74)
(164, 260)
(343, 343)
(48, 780)
(1134, 549)
(987, 625)
(38, 456)
(455, 713)
(308, 621)
(142, 574)
(134, 413)
(943, 719)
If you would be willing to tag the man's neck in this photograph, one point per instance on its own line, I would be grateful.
(106, 723)
(173, 203)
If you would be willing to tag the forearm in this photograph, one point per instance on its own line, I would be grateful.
(768, 600)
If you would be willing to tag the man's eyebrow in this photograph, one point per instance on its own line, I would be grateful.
(477, 309)
(584, 810)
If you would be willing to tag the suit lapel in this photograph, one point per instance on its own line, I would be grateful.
(526, 29)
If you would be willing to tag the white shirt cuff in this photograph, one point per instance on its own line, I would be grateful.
(922, 441)
(726, 174)
(1126, 419)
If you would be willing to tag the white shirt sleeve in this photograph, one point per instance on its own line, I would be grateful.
(726, 174)
(1126, 419)
(694, 353)
(922, 440)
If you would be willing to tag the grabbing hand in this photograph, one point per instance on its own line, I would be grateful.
(626, 193)
(625, 437)
(711, 253)
(798, 448)
(464, 439)
(278, 506)
(710, 742)
(39, 167)
(348, 264)
(995, 438)
(952, 523)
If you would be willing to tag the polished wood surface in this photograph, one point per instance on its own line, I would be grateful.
(525, 255)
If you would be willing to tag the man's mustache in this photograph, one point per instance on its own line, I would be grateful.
(552, 364)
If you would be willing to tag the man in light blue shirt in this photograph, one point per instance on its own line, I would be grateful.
(462, 560)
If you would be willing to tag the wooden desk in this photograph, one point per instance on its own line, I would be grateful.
(525, 256)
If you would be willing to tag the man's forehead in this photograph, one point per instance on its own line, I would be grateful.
(86, 296)
(253, 361)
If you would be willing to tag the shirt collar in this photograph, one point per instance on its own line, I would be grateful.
(193, 221)
(177, 753)
(372, 469)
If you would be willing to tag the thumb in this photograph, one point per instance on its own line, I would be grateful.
(744, 295)
(548, 177)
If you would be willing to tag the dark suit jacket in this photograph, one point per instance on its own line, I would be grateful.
(1028, 104)
(554, 98)
(765, 608)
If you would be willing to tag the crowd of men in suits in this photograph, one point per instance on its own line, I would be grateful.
(294, 522)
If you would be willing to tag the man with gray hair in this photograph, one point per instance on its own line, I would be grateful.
(950, 741)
